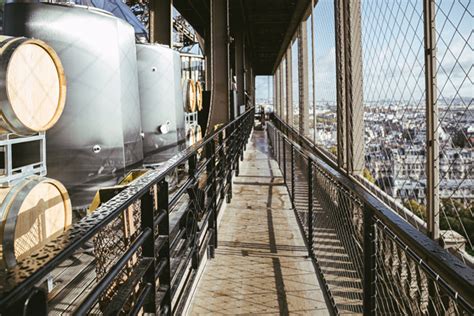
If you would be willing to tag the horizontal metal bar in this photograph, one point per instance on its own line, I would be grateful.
(123, 294)
(20, 140)
(159, 218)
(160, 242)
(161, 292)
(104, 283)
(184, 187)
(176, 240)
(159, 269)
(180, 272)
(141, 299)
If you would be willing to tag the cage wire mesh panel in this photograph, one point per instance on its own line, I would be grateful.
(403, 282)
(336, 242)
(110, 244)
(322, 94)
(295, 85)
(394, 99)
(401, 275)
(284, 98)
(454, 59)
(395, 112)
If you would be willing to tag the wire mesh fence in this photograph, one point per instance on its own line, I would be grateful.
(394, 85)
(401, 275)
(454, 63)
(395, 111)
(295, 84)
(354, 245)
(322, 83)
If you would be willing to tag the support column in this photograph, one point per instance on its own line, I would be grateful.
(350, 109)
(161, 22)
(219, 63)
(289, 88)
(303, 80)
(252, 85)
(239, 65)
(432, 139)
(283, 88)
(249, 87)
(276, 101)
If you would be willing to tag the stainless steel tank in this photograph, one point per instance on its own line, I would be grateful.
(98, 135)
(161, 102)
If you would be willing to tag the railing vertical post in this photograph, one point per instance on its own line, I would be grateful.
(237, 149)
(211, 192)
(280, 148)
(164, 253)
(242, 141)
(292, 171)
(147, 209)
(192, 164)
(192, 167)
(284, 160)
(228, 144)
(310, 207)
(222, 165)
(369, 280)
(277, 144)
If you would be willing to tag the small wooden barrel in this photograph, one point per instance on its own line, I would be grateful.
(198, 95)
(32, 212)
(32, 85)
(189, 95)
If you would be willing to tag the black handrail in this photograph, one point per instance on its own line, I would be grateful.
(447, 269)
(327, 157)
(17, 282)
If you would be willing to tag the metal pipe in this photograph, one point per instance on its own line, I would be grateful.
(141, 299)
(432, 139)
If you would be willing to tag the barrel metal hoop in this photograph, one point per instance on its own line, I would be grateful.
(10, 119)
(8, 241)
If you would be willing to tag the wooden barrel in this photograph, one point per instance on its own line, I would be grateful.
(32, 212)
(198, 95)
(33, 85)
(189, 95)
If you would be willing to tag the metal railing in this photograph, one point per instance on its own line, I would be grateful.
(147, 241)
(370, 259)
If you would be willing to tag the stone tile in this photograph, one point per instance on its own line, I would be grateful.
(260, 265)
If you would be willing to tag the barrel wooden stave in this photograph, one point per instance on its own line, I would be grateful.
(199, 96)
(32, 212)
(189, 95)
(32, 88)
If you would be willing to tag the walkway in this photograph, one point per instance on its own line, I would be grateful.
(260, 265)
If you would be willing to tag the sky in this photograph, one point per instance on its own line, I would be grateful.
(392, 45)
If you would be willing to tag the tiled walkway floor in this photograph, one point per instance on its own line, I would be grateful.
(260, 265)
